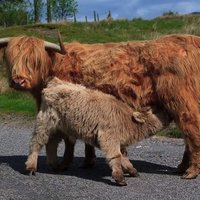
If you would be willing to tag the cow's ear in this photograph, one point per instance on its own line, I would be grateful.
(138, 117)
(4, 42)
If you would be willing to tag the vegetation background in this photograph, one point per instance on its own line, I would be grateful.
(25, 18)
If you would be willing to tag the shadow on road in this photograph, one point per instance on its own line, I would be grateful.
(98, 173)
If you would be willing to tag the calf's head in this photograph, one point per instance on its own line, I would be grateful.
(152, 119)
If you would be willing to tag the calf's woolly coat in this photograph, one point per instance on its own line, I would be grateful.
(98, 119)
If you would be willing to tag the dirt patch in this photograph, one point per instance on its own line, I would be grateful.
(4, 86)
(13, 119)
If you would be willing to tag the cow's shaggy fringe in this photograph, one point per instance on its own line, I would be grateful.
(97, 118)
(25, 54)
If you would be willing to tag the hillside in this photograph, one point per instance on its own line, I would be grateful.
(113, 31)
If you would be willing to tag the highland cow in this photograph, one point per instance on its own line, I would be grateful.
(97, 118)
(164, 73)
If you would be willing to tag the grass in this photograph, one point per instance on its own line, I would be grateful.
(104, 31)
(96, 32)
(171, 132)
(17, 102)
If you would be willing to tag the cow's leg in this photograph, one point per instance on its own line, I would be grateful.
(68, 154)
(183, 166)
(189, 122)
(51, 150)
(89, 157)
(126, 164)
(181, 100)
(193, 156)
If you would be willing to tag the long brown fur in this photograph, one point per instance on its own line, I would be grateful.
(163, 72)
(95, 117)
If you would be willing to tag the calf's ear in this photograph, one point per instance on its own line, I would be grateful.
(138, 117)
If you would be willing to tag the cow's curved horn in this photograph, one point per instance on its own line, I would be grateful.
(60, 49)
(4, 41)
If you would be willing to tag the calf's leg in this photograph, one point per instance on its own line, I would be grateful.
(115, 165)
(126, 164)
(37, 142)
(46, 121)
(111, 148)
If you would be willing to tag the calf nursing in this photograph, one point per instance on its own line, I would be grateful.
(97, 118)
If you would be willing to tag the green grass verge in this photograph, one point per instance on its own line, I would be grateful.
(17, 102)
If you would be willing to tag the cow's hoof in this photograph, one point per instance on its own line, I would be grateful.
(191, 173)
(189, 176)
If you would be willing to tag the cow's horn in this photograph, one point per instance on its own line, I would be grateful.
(4, 41)
(60, 49)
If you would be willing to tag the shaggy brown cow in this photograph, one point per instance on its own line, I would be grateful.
(163, 72)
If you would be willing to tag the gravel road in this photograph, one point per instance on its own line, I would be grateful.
(156, 160)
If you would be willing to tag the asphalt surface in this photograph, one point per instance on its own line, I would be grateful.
(156, 160)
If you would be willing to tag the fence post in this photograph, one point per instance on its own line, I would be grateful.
(95, 17)
(74, 17)
(109, 16)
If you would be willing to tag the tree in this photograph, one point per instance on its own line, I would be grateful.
(38, 5)
(62, 9)
(170, 13)
(13, 12)
(49, 10)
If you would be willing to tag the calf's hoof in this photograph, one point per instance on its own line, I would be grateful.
(122, 183)
(119, 178)
(31, 167)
